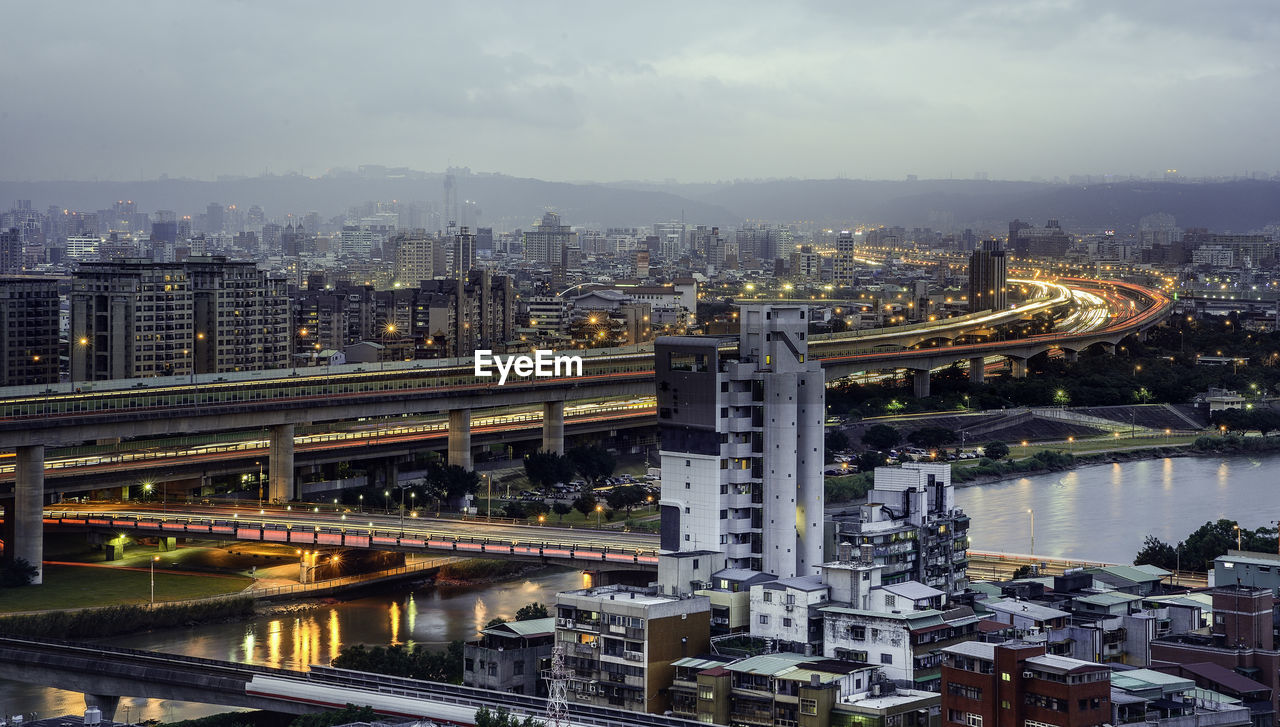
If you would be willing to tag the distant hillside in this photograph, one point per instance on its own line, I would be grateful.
(944, 204)
(505, 202)
(510, 202)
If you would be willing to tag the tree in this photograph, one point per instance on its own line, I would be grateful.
(347, 715)
(894, 407)
(931, 437)
(561, 509)
(996, 450)
(834, 441)
(593, 463)
(585, 503)
(502, 718)
(1142, 395)
(1158, 553)
(548, 468)
(531, 611)
(1061, 398)
(495, 622)
(452, 482)
(881, 437)
(401, 660)
(626, 497)
(18, 573)
(1022, 572)
(868, 461)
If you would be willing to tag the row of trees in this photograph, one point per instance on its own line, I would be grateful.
(1209, 541)
(884, 437)
(593, 463)
(1262, 420)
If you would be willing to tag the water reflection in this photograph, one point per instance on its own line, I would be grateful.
(1104, 512)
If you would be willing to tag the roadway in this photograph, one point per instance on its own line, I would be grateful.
(104, 674)
(313, 526)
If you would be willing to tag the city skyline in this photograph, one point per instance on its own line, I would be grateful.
(1041, 90)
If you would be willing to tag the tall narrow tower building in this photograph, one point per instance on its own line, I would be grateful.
(742, 440)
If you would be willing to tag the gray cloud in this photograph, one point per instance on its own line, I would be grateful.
(578, 90)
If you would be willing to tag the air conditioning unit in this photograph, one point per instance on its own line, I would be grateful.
(1028, 675)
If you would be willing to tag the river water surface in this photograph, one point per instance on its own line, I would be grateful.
(1099, 513)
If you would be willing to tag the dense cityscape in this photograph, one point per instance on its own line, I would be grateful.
(411, 444)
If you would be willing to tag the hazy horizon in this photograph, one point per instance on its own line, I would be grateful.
(566, 91)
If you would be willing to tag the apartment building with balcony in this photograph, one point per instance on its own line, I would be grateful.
(1016, 684)
(916, 531)
(742, 449)
(510, 657)
(620, 643)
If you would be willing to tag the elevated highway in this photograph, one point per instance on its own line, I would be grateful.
(31, 420)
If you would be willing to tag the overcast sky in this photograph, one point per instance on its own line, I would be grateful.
(693, 91)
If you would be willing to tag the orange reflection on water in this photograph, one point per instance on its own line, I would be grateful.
(394, 613)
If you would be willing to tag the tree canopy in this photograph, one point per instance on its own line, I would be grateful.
(1209, 541)
(881, 436)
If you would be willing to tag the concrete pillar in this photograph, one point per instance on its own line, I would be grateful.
(307, 567)
(1070, 356)
(553, 427)
(106, 703)
(28, 500)
(114, 548)
(166, 545)
(977, 370)
(1019, 367)
(921, 383)
(124, 494)
(280, 464)
(460, 437)
(391, 472)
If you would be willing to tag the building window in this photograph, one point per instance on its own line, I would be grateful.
(809, 706)
(973, 720)
(764, 619)
(1004, 676)
(786, 623)
(890, 600)
(886, 658)
(768, 596)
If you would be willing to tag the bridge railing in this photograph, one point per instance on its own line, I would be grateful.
(352, 535)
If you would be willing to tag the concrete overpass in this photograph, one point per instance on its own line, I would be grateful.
(31, 420)
(104, 674)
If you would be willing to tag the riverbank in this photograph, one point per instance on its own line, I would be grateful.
(1058, 458)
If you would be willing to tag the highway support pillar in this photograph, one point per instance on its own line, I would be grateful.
(1070, 356)
(921, 377)
(105, 703)
(977, 370)
(166, 545)
(1019, 367)
(28, 518)
(553, 427)
(280, 464)
(460, 438)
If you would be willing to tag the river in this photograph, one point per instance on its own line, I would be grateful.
(1101, 512)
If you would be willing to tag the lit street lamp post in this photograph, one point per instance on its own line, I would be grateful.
(599, 514)
(154, 558)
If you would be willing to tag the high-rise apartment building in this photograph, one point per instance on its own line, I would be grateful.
(418, 257)
(137, 318)
(844, 267)
(988, 271)
(10, 251)
(546, 242)
(464, 253)
(28, 331)
(742, 449)
(913, 526)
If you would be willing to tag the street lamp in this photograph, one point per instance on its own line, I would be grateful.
(260, 500)
(154, 558)
(599, 513)
(1237, 527)
(488, 498)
